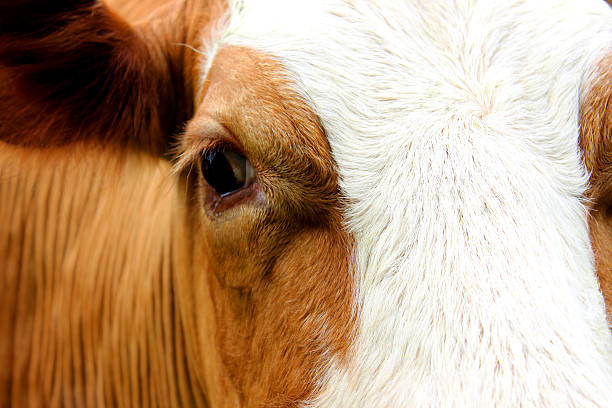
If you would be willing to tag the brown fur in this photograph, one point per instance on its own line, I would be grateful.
(127, 283)
(91, 231)
(66, 72)
(77, 71)
(137, 11)
(596, 145)
(279, 273)
(89, 311)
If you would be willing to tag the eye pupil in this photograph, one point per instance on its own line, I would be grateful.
(226, 171)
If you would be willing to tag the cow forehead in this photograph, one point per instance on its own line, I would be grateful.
(385, 71)
(386, 76)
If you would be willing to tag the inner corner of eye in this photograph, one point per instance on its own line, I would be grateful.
(227, 171)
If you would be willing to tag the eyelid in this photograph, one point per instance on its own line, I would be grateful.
(200, 137)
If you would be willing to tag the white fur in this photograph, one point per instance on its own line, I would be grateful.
(454, 124)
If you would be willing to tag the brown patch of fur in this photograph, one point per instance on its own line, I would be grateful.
(280, 271)
(92, 240)
(596, 145)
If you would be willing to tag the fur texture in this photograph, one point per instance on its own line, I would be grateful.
(93, 228)
(596, 145)
(417, 234)
(89, 313)
(133, 285)
(276, 258)
(455, 130)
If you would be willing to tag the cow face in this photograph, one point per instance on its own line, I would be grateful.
(329, 203)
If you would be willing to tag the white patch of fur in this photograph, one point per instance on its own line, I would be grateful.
(454, 125)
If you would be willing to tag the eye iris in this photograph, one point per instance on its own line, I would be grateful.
(226, 171)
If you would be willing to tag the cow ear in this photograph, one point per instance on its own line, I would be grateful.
(71, 70)
(596, 145)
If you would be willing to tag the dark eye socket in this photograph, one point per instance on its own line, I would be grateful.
(226, 171)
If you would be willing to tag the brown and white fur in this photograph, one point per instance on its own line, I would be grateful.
(430, 214)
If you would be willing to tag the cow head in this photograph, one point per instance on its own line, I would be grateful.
(325, 203)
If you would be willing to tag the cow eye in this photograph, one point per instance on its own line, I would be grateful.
(226, 171)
